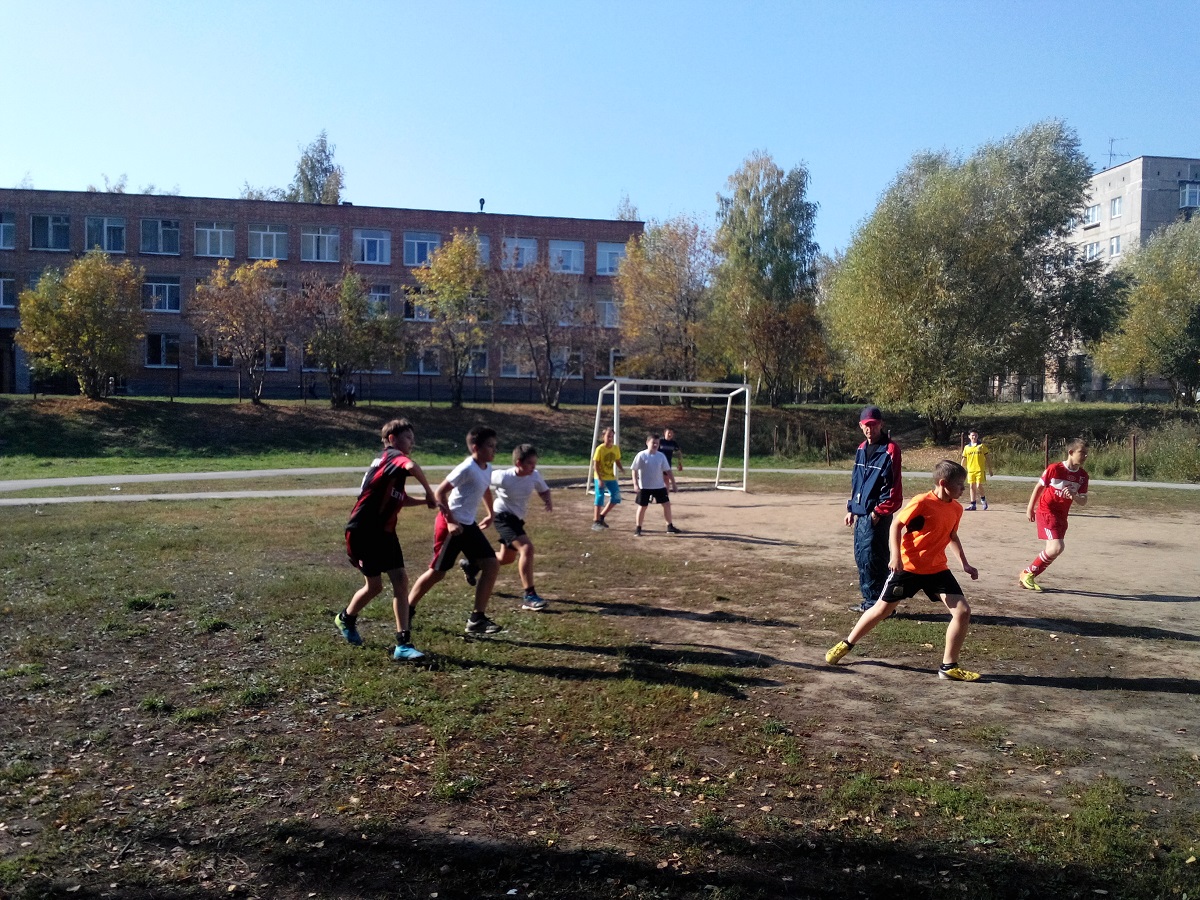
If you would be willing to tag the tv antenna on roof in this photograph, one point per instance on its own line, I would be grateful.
(1113, 154)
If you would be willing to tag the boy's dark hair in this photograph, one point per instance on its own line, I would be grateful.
(479, 434)
(522, 452)
(652, 437)
(395, 427)
(1077, 444)
(948, 470)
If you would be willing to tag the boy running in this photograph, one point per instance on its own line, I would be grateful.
(977, 459)
(606, 457)
(371, 541)
(513, 488)
(455, 530)
(919, 535)
(1061, 484)
(650, 469)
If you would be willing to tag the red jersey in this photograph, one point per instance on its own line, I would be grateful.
(1055, 501)
(382, 493)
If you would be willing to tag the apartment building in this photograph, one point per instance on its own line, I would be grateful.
(180, 240)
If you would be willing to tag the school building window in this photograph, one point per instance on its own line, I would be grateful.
(485, 250)
(276, 357)
(1092, 250)
(208, 358)
(1114, 245)
(162, 351)
(1114, 208)
(379, 301)
(608, 314)
(478, 364)
(372, 246)
(1092, 215)
(160, 293)
(514, 365)
(160, 236)
(608, 257)
(414, 311)
(422, 362)
(1189, 195)
(49, 232)
(319, 243)
(8, 231)
(519, 253)
(268, 242)
(214, 239)
(419, 246)
(566, 256)
(8, 291)
(105, 232)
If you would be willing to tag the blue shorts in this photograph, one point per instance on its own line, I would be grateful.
(613, 488)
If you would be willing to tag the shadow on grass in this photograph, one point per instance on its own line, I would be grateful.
(618, 608)
(1069, 626)
(301, 860)
(1189, 686)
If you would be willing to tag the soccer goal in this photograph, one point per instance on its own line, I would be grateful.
(699, 390)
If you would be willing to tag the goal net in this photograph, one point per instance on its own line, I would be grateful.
(733, 394)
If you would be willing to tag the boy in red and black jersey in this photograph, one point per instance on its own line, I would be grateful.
(371, 541)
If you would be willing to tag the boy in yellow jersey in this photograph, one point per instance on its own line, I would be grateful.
(919, 537)
(977, 459)
(604, 460)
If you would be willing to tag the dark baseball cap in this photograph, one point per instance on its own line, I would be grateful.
(870, 414)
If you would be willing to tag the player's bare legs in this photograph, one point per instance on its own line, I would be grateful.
(399, 578)
(956, 631)
(423, 585)
(488, 570)
(868, 620)
(365, 594)
(521, 551)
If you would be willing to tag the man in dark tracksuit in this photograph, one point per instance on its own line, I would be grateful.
(875, 494)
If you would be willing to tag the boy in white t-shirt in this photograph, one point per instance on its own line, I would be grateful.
(650, 470)
(455, 530)
(513, 487)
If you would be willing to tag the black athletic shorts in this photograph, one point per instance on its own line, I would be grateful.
(658, 495)
(509, 527)
(470, 542)
(902, 585)
(373, 552)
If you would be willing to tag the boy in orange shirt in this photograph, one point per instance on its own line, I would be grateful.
(918, 539)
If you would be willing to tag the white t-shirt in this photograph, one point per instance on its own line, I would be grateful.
(650, 467)
(512, 491)
(471, 482)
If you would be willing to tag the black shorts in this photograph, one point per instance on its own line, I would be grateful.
(509, 527)
(470, 542)
(373, 552)
(658, 495)
(902, 585)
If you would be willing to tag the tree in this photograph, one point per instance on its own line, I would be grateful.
(344, 333)
(964, 270)
(548, 324)
(1159, 333)
(318, 178)
(86, 321)
(244, 313)
(665, 286)
(452, 288)
(766, 277)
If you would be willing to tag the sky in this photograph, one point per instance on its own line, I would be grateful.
(563, 108)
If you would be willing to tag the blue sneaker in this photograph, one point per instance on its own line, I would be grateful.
(533, 602)
(349, 628)
(406, 653)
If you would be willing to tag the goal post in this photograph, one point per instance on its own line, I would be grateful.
(699, 390)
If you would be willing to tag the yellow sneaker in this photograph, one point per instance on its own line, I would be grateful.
(1026, 581)
(836, 652)
(957, 674)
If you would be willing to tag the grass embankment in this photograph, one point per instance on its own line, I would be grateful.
(56, 437)
(181, 720)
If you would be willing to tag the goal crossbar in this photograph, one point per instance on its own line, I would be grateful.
(634, 387)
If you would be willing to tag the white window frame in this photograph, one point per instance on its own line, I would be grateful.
(1189, 195)
(1092, 250)
(568, 358)
(414, 311)
(485, 250)
(614, 356)
(161, 293)
(268, 241)
(268, 363)
(209, 232)
(164, 341)
(111, 232)
(162, 229)
(515, 369)
(211, 360)
(478, 363)
(419, 247)
(56, 224)
(1114, 207)
(1091, 215)
(608, 313)
(608, 257)
(567, 257)
(428, 362)
(519, 253)
(379, 300)
(8, 291)
(373, 246)
(320, 243)
(1114, 245)
(8, 231)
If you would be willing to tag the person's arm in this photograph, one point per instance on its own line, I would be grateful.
(894, 545)
(545, 495)
(1033, 501)
(488, 500)
(415, 471)
(1080, 498)
(962, 557)
(442, 497)
(679, 451)
(617, 463)
(891, 498)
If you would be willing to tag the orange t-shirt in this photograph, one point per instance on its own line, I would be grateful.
(928, 523)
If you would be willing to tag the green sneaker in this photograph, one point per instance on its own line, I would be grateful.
(1026, 581)
(348, 626)
(957, 674)
(836, 652)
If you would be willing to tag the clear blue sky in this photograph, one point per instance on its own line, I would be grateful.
(559, 108)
